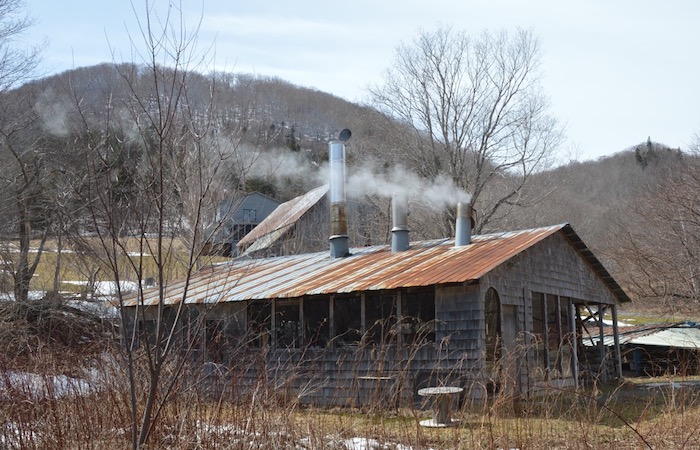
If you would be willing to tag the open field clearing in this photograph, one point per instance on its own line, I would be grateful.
(76, 269)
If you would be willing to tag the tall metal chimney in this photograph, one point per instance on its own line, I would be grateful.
(463, 228)
(339, 218)
(399, 217)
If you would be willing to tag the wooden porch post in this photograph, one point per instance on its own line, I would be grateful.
(572, 308)
(399, 319)
(273, 325)
(601, 343)
(616, 335)
(331, 319)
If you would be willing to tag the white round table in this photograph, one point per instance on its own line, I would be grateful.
(441, 405)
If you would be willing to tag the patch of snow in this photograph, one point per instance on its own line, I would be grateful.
(361, 443)
(37, 386)
(358, 443)
(33, 295)
(609, 323)
(108, 288)
(102, 309)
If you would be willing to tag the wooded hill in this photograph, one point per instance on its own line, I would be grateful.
(265, 134)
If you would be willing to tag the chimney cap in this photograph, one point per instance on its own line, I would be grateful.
(344, 135)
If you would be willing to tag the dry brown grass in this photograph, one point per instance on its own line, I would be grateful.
(79, 267)
(59, 394)
(95, 414)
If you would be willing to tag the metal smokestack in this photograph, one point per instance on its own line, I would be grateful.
(399, 215)
(463, 228)
(339, 217)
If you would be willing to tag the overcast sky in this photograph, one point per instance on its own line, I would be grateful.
(616, 72)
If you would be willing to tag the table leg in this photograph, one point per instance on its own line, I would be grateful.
(441, 409)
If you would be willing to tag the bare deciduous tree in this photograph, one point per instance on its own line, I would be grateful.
(475, 112)
(154, 163)
(23, 162)
(17, 64)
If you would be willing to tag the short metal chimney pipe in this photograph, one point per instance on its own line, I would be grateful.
(399, 215)
(463, 227)
(339, 218)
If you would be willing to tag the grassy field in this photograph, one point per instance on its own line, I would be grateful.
(76, 267)
(45, 407)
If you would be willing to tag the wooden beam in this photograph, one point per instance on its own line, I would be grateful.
(572, 313)
(601, 344)
(616, 337)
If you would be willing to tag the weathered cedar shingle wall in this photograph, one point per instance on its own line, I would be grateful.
(552, 266)
(342, 376)
(459, 334)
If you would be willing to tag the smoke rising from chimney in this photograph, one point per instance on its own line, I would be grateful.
(438, 193)
(362, 180)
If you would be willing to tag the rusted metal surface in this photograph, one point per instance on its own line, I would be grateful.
(675, 335)
(367, 269)
(284, 216)
(267, 240)
(339, 219)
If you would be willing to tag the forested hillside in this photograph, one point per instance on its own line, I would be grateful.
(257, 133)
(637, 210)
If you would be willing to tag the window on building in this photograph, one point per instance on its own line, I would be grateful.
(418, 317)
(380, 318)
(551, 330)
(249, 215)
(146, 332)
(316, 322)
(347, 319)
(259, 322)
(240, 230)
(287, 324)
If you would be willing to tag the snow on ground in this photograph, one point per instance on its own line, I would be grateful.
(33, 295)
(36, 387)
(108, 288)
(13, 436)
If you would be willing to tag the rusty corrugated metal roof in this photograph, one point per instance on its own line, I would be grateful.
(285, 215)
(373, 268)
(676, 335)
(267, 240)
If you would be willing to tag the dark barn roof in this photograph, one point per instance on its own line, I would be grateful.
(427, 263)
(281, 220)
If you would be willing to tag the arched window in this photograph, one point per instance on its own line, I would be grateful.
(492, 315)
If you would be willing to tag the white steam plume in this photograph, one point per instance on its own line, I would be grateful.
(364, 180)
(54, 112)
(437, 194)
(279, 164)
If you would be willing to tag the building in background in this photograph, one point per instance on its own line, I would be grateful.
(235, 218)
(294, 227)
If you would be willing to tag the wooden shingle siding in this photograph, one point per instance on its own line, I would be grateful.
(551, 266)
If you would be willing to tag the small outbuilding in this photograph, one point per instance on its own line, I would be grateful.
(485, 314)
(291, 227)
(235, 218)
(655, 349)
(501, 313)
